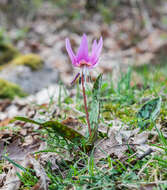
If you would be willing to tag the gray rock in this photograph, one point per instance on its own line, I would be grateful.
(30, 81)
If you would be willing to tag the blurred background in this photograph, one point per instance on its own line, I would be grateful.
(33, 32)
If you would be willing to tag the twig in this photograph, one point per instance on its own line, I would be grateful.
(125, 144)
(148, 152)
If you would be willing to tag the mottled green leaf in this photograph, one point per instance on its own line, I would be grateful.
(95, 108)
(27, 120)
(149, 112)
(64, 131)
(57, 127)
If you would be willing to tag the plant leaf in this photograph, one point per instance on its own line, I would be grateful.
(149, 112)
(14, 163)
(27, 120)
(64, 131)
(57, 127)
(95, 108)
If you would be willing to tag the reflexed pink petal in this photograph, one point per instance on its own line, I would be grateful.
(83, 50)
(94, 63)
(94, 46)
(96, 53)
(70, 52)
(93, 53)
(98, 50)
(93, 59)
(99, 47)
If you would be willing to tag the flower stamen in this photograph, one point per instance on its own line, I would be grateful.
(73, 81)
(84, 63)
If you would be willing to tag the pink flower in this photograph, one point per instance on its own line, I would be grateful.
(82, 58)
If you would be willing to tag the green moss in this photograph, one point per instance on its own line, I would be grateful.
(31, 60)
(7, 53)
(10, 90)
(125, 114)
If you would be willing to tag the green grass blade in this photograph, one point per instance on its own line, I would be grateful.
(14, 163)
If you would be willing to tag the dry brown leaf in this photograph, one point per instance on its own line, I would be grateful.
(118, 141)
(148, 186)
(16, 150)
(75, 124)
(23, 131)
(5, 122)
(2, 179)
(4, 104)
(72, 122)
(109, 146)
(40, 172)
(6, 133)
(141, 138)
(28, 140)
(36, 186)
(11, 181)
